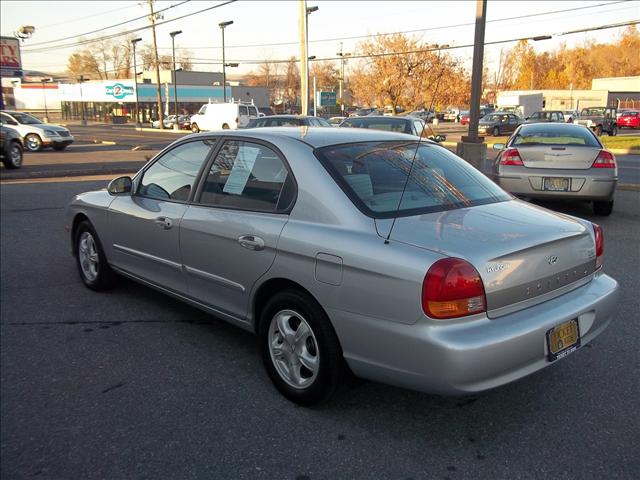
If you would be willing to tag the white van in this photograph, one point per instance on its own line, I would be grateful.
(223, 116)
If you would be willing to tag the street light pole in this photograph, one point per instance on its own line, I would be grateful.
(84, 120)
(342, 60)
(44, 94)
(176, 125)
(222, 26)
(135, 80)
(308, 11)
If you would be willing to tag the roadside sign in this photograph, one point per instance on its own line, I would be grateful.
(10, 62)
(326, 99)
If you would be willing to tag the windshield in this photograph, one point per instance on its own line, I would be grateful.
(26, 119)
(562, 134)
(592, 111)
(374, 175)
(490, 118)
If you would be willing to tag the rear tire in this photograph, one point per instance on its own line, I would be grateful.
(94, 270)
(603, 207)
(195, 128)
(225, 126)
(614, 131)
(495, 132)
(13, 158)
(300, 348)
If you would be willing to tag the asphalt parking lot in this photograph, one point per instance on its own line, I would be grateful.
(132, 384)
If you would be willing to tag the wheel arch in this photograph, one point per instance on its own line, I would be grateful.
(77, 220)
(269, 288)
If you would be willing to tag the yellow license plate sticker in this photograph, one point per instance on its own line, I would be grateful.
(563, 339)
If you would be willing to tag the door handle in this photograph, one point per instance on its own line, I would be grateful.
(164, 222)
(251, 242)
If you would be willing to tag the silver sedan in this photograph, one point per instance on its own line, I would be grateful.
(352, 249)
(558, 161)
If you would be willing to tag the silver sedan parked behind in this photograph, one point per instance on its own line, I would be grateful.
(352, 249)
(558, 161)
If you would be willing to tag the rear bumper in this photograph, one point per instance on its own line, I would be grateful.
(472, 355)
(592, 184)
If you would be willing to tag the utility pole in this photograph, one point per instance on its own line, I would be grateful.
(304, 60)
(472, 148)
(152, 17)
(176, 124)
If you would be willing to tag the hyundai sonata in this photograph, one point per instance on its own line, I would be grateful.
(352, 249)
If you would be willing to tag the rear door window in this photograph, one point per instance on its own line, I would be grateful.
(248, 176)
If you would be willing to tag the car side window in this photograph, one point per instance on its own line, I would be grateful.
(172, 176)
(7, 120)
(248, 176)
(243, 110)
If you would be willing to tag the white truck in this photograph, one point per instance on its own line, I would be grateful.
(223, 116)
(522, 104)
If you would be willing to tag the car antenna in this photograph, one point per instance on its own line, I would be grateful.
(406, 182)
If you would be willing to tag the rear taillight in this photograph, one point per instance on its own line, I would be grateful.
(604, 160)
(511, 157)
(599, 235)
(452, 288)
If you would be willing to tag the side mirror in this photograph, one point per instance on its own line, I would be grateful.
(498, 146)
(120, 186)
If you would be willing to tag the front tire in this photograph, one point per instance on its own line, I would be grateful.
(33, 142)
(598, 131)
(13, 158)
(603, 208)
(94, 270)
(300, 349)
(195, 128)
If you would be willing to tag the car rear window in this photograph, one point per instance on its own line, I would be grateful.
(374, 176)
(549, 134)
(389, 125)
(630, 114)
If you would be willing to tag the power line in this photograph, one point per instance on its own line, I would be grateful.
(114, 35)
(66, 22)
(105, 28)
(441, 27)
(423, 50)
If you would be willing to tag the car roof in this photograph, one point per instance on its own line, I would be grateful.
(382, 117)
(291, 116)
(318, 137)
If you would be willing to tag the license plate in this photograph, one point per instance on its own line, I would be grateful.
(563, 340)
(556, 184)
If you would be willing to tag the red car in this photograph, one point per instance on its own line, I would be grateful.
(464, 118)
(630, 119)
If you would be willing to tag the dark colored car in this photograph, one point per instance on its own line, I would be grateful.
(555, 116)
(629, 119)
(12, 148)
(498, 123)
(266, 110)
(288, 121)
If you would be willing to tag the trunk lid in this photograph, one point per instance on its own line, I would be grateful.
(523, 253)
(557, 156)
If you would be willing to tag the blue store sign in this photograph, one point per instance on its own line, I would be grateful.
(119, 91)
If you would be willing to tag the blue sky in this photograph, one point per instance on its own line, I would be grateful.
(275, 22)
